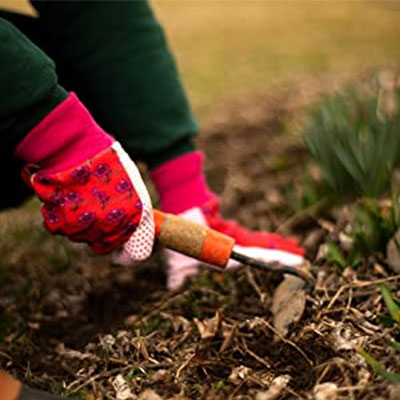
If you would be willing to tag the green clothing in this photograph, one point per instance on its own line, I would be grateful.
(114, 55)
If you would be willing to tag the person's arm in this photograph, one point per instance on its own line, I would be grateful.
(90, 189)
(28, 86)
(117, 52)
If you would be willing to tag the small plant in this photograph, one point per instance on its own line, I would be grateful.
(354, 136)
(371, 229)
(310, 193)
(355, 139)
(339, 257)
(391, 320)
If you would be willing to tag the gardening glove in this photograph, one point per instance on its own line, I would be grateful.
(262, 246)
(91, 191)
(183, 191)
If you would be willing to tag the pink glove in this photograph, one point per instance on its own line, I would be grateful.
(90, 189)
(181, 267)
(183, 191)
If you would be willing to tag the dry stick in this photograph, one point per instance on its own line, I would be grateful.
(228, 340)
(255, 356)
(5, 355)
(333, 311)
(183, 366)
(348, 306)
(99, 375)
(231, 396)
(361, 284)
(253, 283)
(293, 393)
(165, 304)
(347, 380)
(332, 302)
(385, 333)
(287, 341)
(323, 374)
(335, 297)
(349, 388)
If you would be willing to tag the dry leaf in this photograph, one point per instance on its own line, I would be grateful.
(229, 336)
(394, 392)
(288, 303)
(275, 390)
(121, 387)
(149, 394)
(107, 341)
(325, 391)
(68, 353)
(343, 338)
(209, 327)
(92, 396)
(239, 374)
(160, 376)
(392, 253)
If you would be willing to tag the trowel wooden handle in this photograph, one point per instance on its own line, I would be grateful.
(192, 239)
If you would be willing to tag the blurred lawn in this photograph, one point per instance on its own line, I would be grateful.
(229, 48)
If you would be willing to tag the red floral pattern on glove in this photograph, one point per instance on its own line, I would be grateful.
(94, 202)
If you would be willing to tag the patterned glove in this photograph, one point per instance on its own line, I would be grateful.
(90, 189)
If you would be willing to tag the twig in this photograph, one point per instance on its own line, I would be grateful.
(350, 388)
(183, 366)
(361, 284)
(310, 211)
(332, 302)
(287, 341)
(253, 283)
(255, 356)
(164, 304)
(348, 306)
(99, 375)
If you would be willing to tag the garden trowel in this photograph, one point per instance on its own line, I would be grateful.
(212, 247)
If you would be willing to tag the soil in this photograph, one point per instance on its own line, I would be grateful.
(82, 326)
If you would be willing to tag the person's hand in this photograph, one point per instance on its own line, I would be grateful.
(91, 191)
(259, 245)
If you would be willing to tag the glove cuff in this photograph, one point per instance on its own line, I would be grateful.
(64, 138)
(181, 183)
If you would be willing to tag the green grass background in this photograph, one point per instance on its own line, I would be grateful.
(230, 48)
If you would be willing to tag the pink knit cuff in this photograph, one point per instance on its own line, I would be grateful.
(66, 137)
(181, 184)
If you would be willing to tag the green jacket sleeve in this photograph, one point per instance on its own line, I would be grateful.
(125, 73)
(28, 86)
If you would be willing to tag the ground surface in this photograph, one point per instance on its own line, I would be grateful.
(73, 323)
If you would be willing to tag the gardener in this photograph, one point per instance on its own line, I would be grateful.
(112, 57)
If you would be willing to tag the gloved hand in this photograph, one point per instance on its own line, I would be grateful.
(259, 245)
(90, 189)
(183, 190)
